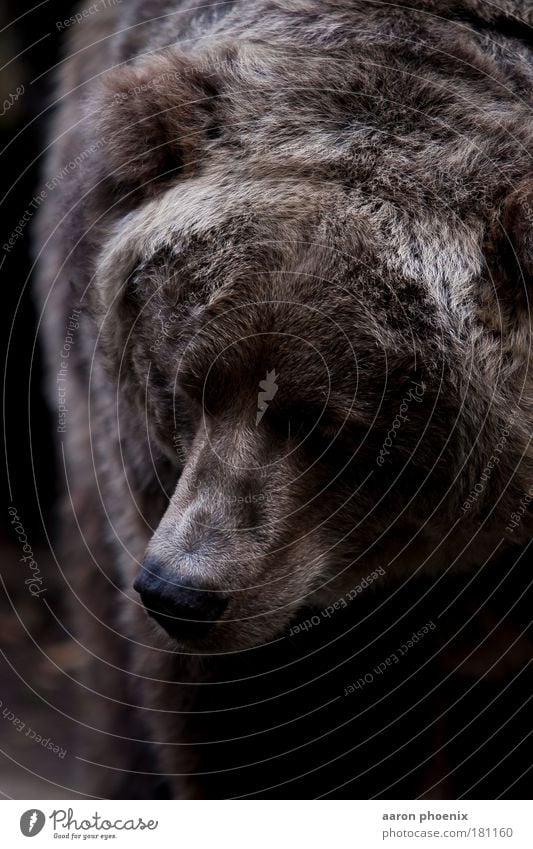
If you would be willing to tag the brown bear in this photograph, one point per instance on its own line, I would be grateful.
(296, 237)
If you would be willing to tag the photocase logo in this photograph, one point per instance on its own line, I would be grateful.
(32, 822)
(269, 388)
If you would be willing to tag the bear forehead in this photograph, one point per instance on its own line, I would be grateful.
(334, 237)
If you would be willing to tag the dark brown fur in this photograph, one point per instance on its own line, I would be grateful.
(335, 191)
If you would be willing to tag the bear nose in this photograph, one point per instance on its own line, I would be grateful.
(183, 607)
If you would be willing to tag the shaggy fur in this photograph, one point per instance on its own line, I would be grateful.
(336, 191)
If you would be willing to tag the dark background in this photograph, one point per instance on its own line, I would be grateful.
(30, 46)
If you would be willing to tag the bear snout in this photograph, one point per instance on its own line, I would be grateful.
(184, 608)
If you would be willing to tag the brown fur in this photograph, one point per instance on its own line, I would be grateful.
(336, 191)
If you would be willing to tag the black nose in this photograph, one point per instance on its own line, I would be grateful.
(182, 607)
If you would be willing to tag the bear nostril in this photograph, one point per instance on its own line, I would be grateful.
(184, 608)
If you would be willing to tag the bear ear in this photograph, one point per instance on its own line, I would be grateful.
(509, 250)
(156, 117)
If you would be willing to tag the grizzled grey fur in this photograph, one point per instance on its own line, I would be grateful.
(337, 191)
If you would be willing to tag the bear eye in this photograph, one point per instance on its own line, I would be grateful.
(301, 423)
(328, 436)
(292, 423)
(330, 432)
(133, 281)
